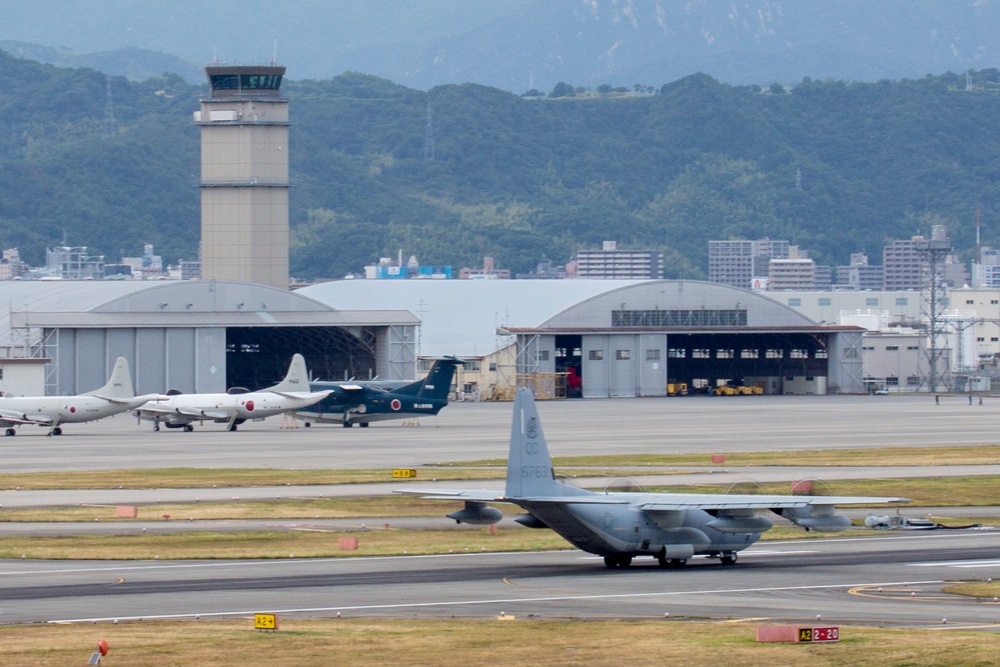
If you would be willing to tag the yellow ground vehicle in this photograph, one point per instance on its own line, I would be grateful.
(737, 390)
(677, 389)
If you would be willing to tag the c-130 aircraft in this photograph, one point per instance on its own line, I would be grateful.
(670, 527)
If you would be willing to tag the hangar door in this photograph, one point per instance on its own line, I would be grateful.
(624, 365)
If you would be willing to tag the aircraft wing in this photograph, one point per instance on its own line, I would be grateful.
(480, 495)
(488, 496)
(141, 400)
(193, 413)
(682, 501)
(314, 396)
(14, 417)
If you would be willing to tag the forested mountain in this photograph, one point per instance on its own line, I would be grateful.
(835, 167)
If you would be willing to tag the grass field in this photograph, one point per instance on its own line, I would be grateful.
(576, 466)
(461, 643)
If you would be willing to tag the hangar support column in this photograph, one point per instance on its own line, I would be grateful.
(846, 362)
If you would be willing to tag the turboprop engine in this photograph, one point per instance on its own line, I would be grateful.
(817, 517)
(477, 514)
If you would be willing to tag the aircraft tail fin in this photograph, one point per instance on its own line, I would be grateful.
(297, 378)
(529, 466)
(437, 384)
(119, 385)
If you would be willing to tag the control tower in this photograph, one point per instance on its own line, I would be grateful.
(244, 176)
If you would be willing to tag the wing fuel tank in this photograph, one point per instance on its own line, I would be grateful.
(477, 514)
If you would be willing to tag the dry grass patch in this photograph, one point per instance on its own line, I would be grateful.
(374, 507)
(197, 478)
(975, 589)
(460, 643)
(275, 544)
(892, 456)
(930, 492)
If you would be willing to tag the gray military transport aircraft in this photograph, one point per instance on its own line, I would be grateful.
(670, 527)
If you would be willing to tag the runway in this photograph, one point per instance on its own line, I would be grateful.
(893, 580)
(836, 579)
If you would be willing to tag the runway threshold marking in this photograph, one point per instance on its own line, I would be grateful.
(469, 603)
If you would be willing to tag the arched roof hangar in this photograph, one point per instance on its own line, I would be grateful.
(633, 340)
(203, 336)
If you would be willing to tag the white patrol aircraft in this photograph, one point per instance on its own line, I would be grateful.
(234, 407)
(670, 527)
(52, 411)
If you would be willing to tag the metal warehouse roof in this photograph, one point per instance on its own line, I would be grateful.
(101, 303)
(462, 317)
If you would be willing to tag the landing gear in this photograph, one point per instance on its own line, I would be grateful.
(671, 562)
(364, 424)
(188, 428)
(728, 558)
(10, 432)
(347, 423)
(156, 427)
(232, 427)
(611, 562)
(57, 430)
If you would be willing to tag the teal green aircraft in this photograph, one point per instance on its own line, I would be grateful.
(361, 403)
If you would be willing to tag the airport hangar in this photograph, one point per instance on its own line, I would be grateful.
(623, 337)
(61, 338)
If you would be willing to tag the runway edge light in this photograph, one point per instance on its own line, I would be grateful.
(265, 621)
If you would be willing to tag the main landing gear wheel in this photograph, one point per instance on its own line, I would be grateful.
(364, 424)
(188, 428)
(347, 424)
(612, 562)
(10, 432)
(728, 559)
(671, 562)
(57, 431)
(156, 427)
(232, 427)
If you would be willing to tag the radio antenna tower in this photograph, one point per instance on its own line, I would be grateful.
(932, 253)
(429, 135)
(109, 109)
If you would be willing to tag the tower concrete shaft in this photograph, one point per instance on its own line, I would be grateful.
(244, 176)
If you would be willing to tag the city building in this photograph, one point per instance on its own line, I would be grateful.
(73, 263)
(738, 263)
(489, 271)
(611, 263)
(859, 275)
(791, 274)
(244, 175)
(902, 265)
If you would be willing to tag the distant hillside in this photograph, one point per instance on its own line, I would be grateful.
(130, 62)
(834, 167)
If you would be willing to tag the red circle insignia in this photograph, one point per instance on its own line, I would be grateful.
(249, 406)
(395, 405)
(72, 409)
